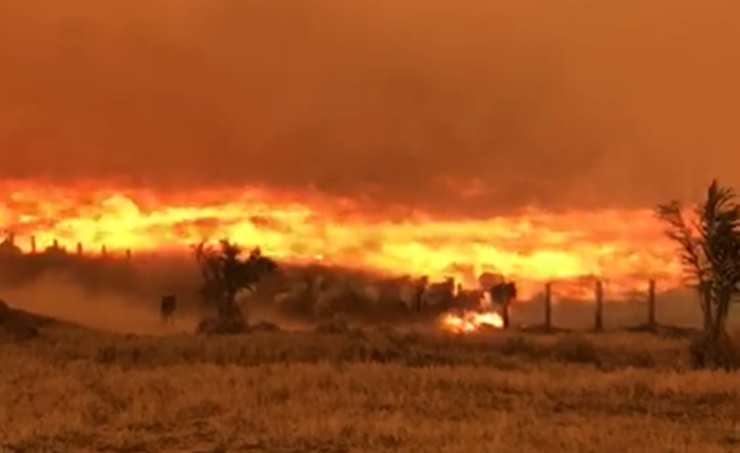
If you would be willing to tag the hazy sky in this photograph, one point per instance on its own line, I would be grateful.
(512, 102)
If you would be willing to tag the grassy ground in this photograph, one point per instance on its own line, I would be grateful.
(76, 390)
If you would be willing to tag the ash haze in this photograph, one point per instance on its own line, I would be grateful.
(469, 108)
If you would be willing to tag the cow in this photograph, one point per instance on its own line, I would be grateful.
(470, 299)
(439, 295)
(167, 308)
(503, 293)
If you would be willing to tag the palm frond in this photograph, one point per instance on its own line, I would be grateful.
(691, 256)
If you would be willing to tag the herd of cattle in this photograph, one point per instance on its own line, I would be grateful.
(328, 292)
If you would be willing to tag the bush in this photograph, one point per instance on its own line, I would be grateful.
(704, 352)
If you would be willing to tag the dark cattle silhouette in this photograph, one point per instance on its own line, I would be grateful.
(468, 299)
(439, 295)
(503, 293)
(167, 308)
(420, 287)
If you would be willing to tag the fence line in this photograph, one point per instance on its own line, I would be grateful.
(79, 249)
(598, 321)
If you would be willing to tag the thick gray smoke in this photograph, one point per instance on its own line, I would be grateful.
(474, 107)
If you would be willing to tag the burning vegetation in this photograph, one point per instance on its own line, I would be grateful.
(471, 321)
(311, 250)
(534, 246)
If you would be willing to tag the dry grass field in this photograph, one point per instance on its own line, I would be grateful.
(75, 389)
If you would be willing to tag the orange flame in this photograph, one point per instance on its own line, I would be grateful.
(470, 321)
(626, 247)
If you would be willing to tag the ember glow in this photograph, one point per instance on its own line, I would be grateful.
(470, 321)
(624, 247)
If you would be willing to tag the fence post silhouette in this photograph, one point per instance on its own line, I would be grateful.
(548, 305)
(599, 317)
(104, 251)
(652, 324)
(33, 244)
(505, 313)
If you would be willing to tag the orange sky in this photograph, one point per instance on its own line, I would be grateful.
(556, 104)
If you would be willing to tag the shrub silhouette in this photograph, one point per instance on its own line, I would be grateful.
(225, 274)
(710, 253)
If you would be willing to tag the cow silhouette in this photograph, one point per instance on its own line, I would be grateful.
(503, 293)
(167, 309)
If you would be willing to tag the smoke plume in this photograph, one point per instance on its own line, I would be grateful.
(472, 107)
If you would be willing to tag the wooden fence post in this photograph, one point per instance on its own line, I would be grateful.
(104, 251)
(599, 319)
(505, 312)
(79, 248)
(548, 305)
(33, 244)
(652, 324)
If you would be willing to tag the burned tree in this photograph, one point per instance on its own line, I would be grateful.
(225, 273)
(709, 250)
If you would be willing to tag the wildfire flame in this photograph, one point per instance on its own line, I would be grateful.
(623, 246)
(470, 321)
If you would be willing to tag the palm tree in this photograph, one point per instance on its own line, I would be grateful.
(709, 250)
(225, 274)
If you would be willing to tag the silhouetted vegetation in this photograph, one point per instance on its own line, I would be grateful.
(710, 253)
(225, 273)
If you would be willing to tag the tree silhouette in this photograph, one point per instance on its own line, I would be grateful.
(709, 250)
(225, 274)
